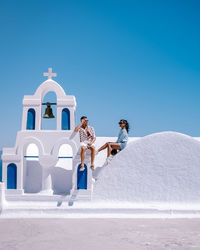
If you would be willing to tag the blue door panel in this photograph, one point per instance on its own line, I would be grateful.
(82, 178)
(12, 176)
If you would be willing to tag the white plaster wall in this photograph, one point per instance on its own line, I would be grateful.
(162, 167)
(33, 179)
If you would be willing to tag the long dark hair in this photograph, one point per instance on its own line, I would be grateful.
(127, 127)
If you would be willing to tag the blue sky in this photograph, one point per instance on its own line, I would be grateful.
(137, 60)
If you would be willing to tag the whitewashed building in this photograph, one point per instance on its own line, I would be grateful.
(45, 162)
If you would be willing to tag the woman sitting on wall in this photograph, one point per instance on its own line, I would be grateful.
(120, 143)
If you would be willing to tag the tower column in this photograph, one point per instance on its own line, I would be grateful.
(24, 118)
(72, 117)
(59, 118)
(47, 162)
(46, 181)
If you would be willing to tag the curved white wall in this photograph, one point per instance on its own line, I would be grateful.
(163, 167)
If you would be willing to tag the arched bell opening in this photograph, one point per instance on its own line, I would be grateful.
(49, 111)
(65, 119)
(32, 170)
(12, 176)
(62, 172)
(30, 125)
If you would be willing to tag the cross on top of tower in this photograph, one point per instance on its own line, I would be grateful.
(50, 74)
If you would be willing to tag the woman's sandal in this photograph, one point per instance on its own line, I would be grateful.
(92, 167)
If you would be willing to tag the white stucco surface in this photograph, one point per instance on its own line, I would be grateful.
(162, 167)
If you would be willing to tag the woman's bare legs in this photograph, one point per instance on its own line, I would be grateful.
(109, 146)
(103, 147)
(112, 145)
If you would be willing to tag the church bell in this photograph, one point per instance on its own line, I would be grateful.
(48, 111)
